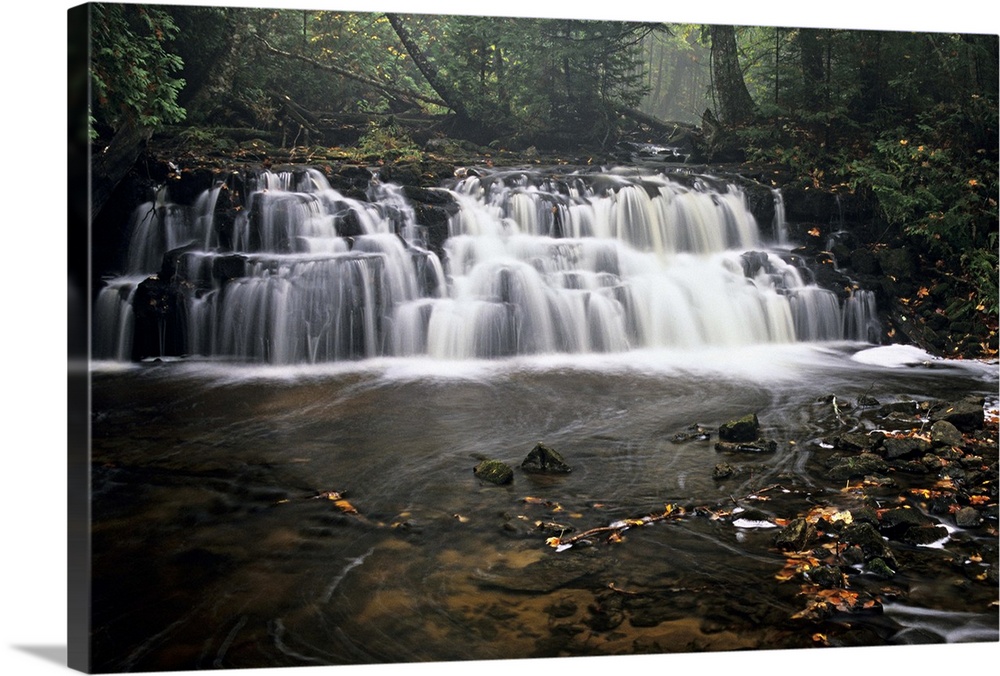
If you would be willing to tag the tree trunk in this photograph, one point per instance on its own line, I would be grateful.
(811, 53)
(216, 84)
(110, 165)
(736, 107)
(429, 72)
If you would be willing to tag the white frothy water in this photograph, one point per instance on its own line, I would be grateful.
(591, 264)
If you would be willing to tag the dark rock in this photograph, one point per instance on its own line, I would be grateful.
(893, 448)
(853, 441)
(692, 433)
(562, 608)
(880, 568)
(649, 611)
(967, 415)
(898, 407)
(158, 315)
(968, 517)
(933, 463)
(866, 401)
(724, 471)
(348, 224)
(894, 522)
(853, 555)
(865, 536)
(494, 472)
(944, 433)
(545, 460)
(758, 446)
(864, 515)
(796, 536)
(826, 576)
(746, 428)
(171, 260)
(858, 466)
(924, 535)
(606, 613)
(753, 262)
(864, 262)
(225, 268)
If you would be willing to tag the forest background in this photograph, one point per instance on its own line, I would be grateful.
(34, 625)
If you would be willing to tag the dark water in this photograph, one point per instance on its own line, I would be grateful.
(211, 548)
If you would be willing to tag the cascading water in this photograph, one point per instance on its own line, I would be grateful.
(597, 262)
(659, 309)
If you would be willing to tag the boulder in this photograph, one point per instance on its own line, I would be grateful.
(968, 517)
(943, 433)
(895, 522)
(545, 460)
(797, 536)
(494, 472)
(853, 441)
(865, 536)
(746, 428)
(966, 415)
(893, 448)
(858, 466)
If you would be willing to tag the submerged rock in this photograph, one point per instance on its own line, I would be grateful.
(754, 446)
(724, 471)
(494, 472)
(545, 460)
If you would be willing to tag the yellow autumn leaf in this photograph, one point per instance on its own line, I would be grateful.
(345, 506)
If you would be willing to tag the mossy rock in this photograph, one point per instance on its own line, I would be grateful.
(494, 472)
(545, 460)
(746, 428)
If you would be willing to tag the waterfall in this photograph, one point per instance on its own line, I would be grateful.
(533, 264)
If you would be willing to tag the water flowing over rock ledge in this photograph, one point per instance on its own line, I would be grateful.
(278, 265)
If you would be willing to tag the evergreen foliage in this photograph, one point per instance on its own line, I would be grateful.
(132, 71)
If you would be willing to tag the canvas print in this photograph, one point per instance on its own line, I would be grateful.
(420, 338)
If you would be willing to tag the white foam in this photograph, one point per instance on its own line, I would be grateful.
(894, 356)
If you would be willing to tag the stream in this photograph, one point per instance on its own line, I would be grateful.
(290, 391)
(212, 549)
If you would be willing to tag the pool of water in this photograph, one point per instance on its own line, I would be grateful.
(216, 542)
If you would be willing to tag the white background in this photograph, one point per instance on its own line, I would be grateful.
(32, 264)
